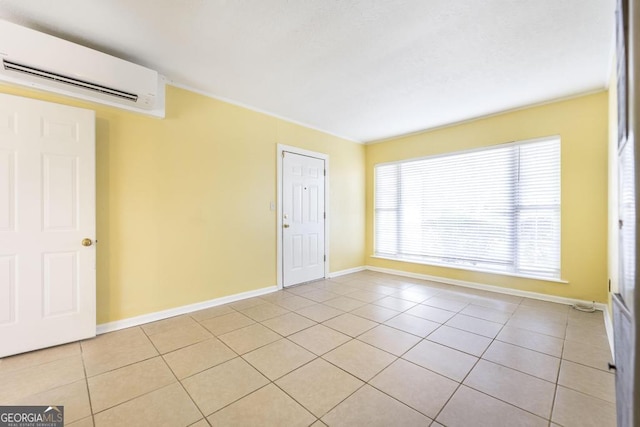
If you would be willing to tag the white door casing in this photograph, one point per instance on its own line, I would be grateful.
(47, 208)
(302, 218)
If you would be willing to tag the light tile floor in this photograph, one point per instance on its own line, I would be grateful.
(364, 349)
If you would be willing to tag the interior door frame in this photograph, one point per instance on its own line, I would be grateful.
(281, 148)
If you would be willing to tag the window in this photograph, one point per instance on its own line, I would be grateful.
(495, 209)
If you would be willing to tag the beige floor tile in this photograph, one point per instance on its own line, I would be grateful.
(198, 357)
(585, 354)
(318, 423)
(394, 303)
(294, 302)
(179, 337)
(469, 407)
(496, 304)
(541, 326)
(423, 390)
(477, 326)
(210, 313)
(593, 334)
(532, 340)
(246, 303)
(249, 338)
(587, 380)
(426, 291)
(264, 311)
(490, 314)
(38, 357)
(460, 340)
(371, 408)
(344, 303)
(319, 312)
(350, 325)
(535, 314)
(446, 303)
(417, 297)
(446, 361)
(201, 423)
(319, 386)
(320, 295)
(545, 305)
(288, 324)
(168, 406)
(278, 358)
(18, 384)
(266, 407)
(575, 409)
(524, 360)
(276, 296)
(115, 350)
(226, 323)
(366, 296)
(74, 397)
(389, 339)
(375, 313)
(382, 287)
(165, 325)
(340, 288)
(85, 422)
(299, 289)
(360, 359)
(524, 391)
(319, 339)
(412, 324)
(114, 387)
(219, 386)
(431, 313)
(596, 317)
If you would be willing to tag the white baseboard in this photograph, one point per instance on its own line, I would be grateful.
(164, 314)
(491, 288)
(347, 271)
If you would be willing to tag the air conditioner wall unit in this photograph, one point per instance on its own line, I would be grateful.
(38, 60)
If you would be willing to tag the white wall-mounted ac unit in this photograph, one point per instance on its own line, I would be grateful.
(38, 60)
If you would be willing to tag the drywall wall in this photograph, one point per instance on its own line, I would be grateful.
(183, 203)
(582, 124)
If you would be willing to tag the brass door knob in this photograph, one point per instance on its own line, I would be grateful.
(87, 242)
(286, 225)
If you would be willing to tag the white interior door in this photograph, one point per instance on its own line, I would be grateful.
(47, 209)
(303, 218)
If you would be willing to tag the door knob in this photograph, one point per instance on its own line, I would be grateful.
(87, 242)
(286, 225)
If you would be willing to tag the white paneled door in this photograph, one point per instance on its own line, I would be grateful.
(303, 218)
(47, 224)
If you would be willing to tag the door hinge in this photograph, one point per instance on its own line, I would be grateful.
(324, 215)
(325, 258)
(325, 172)
(620, 224)
(609, 285)
(283, 154)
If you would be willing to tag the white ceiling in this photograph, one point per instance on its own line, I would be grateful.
(360, 69)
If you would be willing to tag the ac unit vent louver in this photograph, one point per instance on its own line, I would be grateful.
(12, 66)
(41, 61)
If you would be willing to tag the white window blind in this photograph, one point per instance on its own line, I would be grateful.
(495, 209)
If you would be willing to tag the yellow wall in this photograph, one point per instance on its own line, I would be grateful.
(183, 203)
(582, 125)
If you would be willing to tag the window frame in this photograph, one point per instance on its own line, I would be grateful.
(518, 208)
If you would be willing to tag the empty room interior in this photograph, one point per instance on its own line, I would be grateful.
(318, 213)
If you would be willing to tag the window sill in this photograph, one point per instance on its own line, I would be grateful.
(501, 273)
